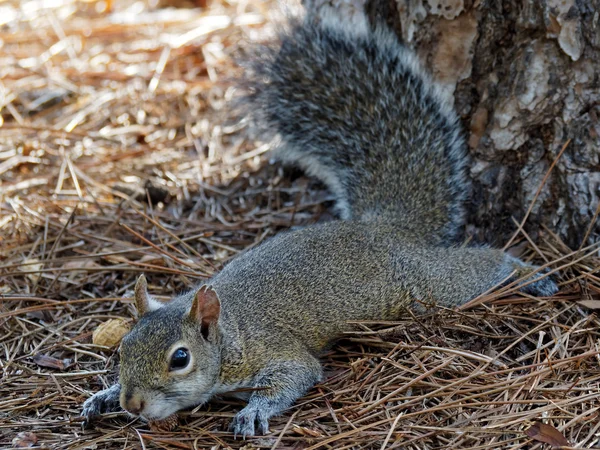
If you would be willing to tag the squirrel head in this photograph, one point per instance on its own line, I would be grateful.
(171, 358)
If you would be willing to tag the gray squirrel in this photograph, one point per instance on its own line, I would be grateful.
(350, 105)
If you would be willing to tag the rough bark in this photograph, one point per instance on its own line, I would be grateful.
(524, 76)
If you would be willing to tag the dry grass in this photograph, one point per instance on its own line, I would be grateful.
(115, 160)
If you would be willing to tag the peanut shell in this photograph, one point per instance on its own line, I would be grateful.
(110, 333)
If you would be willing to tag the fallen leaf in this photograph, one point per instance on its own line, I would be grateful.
(73, 266)
(52, 363)
(306, 431)
(115, 259)
(25, 439)
(591, 304)
(32, 265)
(547, 434)
(517, 250)
(154, 260)
(38, 315)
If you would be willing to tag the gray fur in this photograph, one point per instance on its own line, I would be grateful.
(352, 107)
(355, 109)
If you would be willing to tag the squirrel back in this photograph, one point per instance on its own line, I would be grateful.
(353, 108)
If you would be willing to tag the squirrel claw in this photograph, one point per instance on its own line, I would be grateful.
(101, 402)
(244, 423)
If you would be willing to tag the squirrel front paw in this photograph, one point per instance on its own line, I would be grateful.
(245, 422)
(102, 402)
(542, 285)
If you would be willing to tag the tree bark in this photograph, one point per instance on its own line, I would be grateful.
(524, 76)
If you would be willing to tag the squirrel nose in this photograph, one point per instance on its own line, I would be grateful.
(134, 404)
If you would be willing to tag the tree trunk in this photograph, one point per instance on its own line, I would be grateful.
(524, 76)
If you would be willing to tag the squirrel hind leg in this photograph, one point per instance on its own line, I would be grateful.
(538, 284)
(278, 386)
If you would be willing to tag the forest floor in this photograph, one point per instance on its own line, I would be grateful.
(117, 157)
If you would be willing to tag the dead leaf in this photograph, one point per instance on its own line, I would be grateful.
(591, 304)
(72, 266)
(25, 439)
(52, 363)
(547, 434)
(518, 250)
(115, 259)
(154, 260)
(32, 265)
(306, 431)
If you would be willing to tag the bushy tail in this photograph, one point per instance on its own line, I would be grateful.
(353, 108)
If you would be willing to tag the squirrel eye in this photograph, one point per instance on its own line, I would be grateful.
(180, 359)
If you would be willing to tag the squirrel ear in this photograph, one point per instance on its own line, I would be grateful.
(206, 308)
(143, 301)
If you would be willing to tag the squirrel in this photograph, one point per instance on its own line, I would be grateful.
(352, 106)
